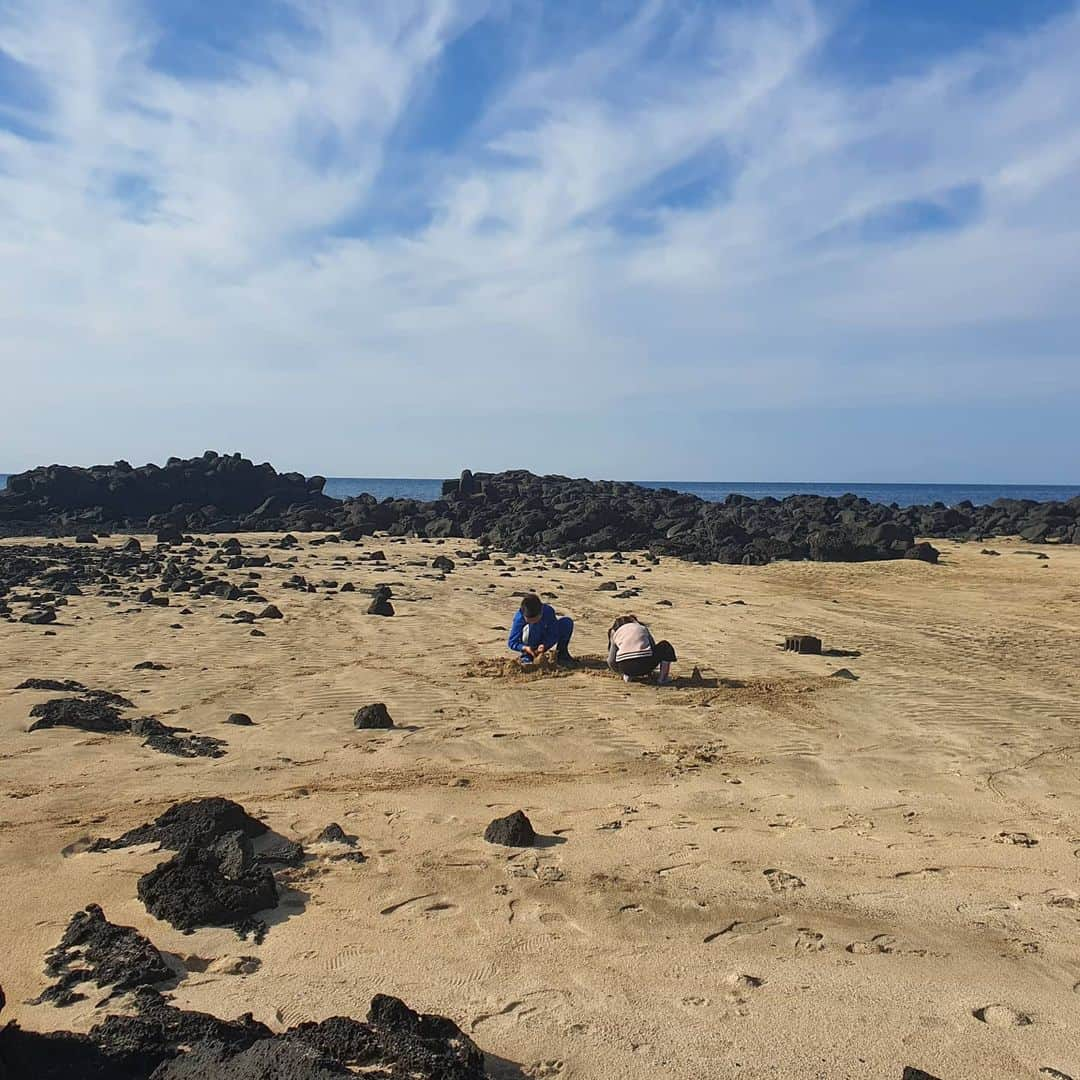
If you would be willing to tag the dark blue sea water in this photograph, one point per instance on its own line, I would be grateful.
(341, 487)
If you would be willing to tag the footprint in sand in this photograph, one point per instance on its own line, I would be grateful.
(1019, 839)
(881, 944)
(781, 882)
(1062, 898)
(1001, 1016)
(807, 940)
(292, 1014)
(739, 989)
(543, 1070)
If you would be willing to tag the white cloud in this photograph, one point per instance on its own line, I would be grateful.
(224, 306)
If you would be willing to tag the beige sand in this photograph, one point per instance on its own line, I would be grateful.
(780, 875)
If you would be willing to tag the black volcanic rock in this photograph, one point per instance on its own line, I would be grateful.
(39, 618)
(514, 830)
(923, 551)
(193, 493)
(158, 1041)
(82, 713)
(68, 686)
(222, 885)
(99, 711)
(380, 604)
(515, 511)
(96, 950)
(175, 740)
(196, 821)
(334, 833)
(373, 716)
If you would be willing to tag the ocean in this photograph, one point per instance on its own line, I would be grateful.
(342, 487)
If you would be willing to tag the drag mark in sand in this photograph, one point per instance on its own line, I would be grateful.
(992, 776)
(404, 903)
(737, 929)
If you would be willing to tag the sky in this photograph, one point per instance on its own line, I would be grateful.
(681, 239)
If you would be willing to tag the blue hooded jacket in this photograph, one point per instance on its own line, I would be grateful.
(545, 632)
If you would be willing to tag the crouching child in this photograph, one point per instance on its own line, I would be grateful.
(537, 630)
(633, 653)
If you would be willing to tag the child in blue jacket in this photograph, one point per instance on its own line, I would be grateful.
(536, 630)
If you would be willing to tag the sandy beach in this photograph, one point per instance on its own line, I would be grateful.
(776, 872)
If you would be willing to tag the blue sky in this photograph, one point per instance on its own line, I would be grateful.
(685, 239)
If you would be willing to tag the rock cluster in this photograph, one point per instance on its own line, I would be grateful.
(158, 1041)
(214, 492)
(520, 512)
(515, 511)
(99, 711)
(37, 581)
(215, 878)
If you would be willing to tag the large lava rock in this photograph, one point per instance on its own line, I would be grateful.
(96, 950)
(514, 830)
(161, 1042)
(195, 822)
(222, 885)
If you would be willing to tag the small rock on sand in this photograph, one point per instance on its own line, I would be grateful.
(514, 830)
(373, 716)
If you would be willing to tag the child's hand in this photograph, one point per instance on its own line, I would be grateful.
(529, 652)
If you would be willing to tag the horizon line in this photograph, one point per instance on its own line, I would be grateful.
(668, 482)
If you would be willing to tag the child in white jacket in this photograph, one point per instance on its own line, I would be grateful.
(632, 652)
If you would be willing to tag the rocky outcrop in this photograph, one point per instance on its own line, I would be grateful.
(158, 1041)
(213, 492)
(94, 950)
(514, 511)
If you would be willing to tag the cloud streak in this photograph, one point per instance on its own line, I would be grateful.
(673, 200)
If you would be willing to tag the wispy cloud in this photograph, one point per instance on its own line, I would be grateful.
(271, 249)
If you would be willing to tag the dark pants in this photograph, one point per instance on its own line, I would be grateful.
(662, 652)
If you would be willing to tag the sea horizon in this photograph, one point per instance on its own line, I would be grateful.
(426, 489)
